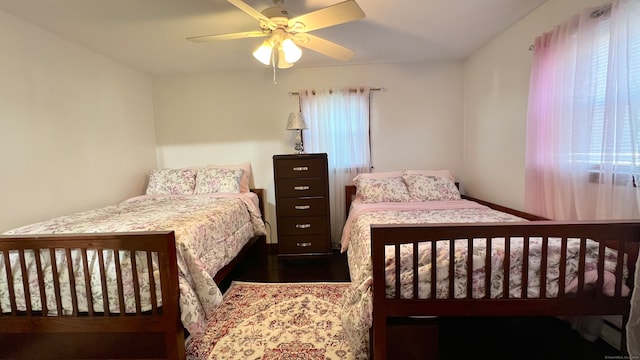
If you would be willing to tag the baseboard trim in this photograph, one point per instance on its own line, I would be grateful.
(611, 332)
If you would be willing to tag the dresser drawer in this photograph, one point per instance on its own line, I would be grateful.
(303, 244)
(304, 206)
(301, 187)
(301, 168)
(302, 225)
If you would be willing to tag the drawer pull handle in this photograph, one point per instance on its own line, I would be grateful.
(304, 244)
(301, 188)
(303, 226)
(301, 168)
(302, 207)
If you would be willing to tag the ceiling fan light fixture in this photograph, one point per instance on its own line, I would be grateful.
(263, 52)
(292, 52)
(282, 62)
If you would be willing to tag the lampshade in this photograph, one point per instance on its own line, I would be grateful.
(296, 121)
(263, 52)
(292, 52)
(282, 62)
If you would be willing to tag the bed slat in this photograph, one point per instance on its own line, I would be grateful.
(72, 282)
(415, 270)
(434, 271)
(452, 267)
(136, 282)
(12, 294)
(524, 280)
(487, 265)
(40, 275)
(87, 281)
(103, 282)
(25, 281)
(619, 267)
(152, 285)
(563, 266)
(469, 269)
(581, 264)
(544, 251)
(116, 259)
(600, 269)
(397, 273)
(507, 265)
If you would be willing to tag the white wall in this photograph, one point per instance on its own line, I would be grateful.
(227, 118)
(76, 129)
(496, 87)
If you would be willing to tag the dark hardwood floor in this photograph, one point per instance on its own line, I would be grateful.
(458, 338)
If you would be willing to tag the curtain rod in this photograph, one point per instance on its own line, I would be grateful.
(601, 11)
(594, 14)
(351, 90)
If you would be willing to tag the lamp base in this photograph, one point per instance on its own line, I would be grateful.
(299, 148)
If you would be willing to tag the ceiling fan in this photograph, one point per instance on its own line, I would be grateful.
(285, 33)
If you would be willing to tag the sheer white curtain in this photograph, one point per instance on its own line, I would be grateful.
(338, 124)
(583, 126)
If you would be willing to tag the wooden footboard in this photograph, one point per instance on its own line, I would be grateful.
(82, 333)
(499, 300)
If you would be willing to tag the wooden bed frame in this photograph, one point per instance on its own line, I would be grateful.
(621, 235)
(155, 334)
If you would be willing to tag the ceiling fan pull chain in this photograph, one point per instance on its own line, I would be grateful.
(273, 63)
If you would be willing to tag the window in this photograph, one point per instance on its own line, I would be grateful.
(583, 121)
(621, 157)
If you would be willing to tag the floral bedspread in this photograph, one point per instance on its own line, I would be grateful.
(209, 230)
(357, 305)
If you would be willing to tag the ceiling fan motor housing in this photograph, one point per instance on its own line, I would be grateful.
(277, 15)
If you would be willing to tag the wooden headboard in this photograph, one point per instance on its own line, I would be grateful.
(349, 195)
(260, 193)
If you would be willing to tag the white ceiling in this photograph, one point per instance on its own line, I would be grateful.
(150, 35)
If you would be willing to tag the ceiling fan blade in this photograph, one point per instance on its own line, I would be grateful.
(324, 47)
(340, 13)
(252, 12)
(232, 36)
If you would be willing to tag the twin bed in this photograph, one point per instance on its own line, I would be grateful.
(404, 227)
(143, 270)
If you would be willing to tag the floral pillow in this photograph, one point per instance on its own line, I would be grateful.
(218, 180)
(428, 188)
(171, 182)
(391, 189)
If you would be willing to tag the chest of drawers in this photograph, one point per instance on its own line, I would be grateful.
(302, 204)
